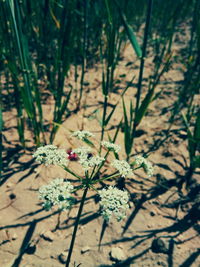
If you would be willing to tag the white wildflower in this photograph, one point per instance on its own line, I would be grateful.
(113, 202)
(92, 162)
(111, 146)
(86, 159)
(82, 152)
(139, 160)
(123, 167)
(50, 154)
(58, 192)
(143, 162)
(81, 135)
(148, 168)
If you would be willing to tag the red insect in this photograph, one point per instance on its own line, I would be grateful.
(72, 156)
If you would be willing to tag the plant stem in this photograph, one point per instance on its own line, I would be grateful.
(71, 172)
(76, 227)
(103, 119)
(144, 47)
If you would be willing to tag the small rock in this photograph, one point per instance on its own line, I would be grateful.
(63, 257)
(85, 249)
(117, 254)
(160, 245)
(14, 236)
(49, 236)
(9, 185)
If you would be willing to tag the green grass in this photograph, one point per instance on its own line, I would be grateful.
(60, 34)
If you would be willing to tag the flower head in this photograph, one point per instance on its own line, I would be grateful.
(139, 160)
(113, 202)
(148, 168)
(50, 154)
(143, 162)
(111, 146)
(82, 151)
(123, 167)
(58, 192)
(81, 135)
(86, 159)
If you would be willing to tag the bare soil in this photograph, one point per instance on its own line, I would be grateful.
(160, 207)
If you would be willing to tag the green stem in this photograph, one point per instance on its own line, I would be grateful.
(104, 117)
(139, 87)
(71, 172)
(116, 174)
(76, 227)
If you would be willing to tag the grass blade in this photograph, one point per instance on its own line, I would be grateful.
(130, 33)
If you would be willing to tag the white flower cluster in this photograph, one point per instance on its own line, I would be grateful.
(58, 192)
(113, 202)
(82, 151)
(86, 159)
(111, 146)
(148, 168)
(123, 167)
(50, 154)
(81, 135)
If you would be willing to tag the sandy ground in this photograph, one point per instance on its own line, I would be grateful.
(160, 229)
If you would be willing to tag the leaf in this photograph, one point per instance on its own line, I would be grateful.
(127, 132)
(196, 161)
(88, 142)
(197, 128)
(130, 33)
(107, 3)
(112, 111)
(143, 107)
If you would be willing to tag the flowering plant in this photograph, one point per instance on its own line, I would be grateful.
(113, 202)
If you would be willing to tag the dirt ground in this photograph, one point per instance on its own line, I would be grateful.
(161, 228)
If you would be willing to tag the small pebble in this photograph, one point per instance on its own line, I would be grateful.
(85, 249)
(49, 236)
(117, 254)
(14, 236)
(9, 185)
(63, 257)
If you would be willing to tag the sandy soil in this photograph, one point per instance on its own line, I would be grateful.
(157, 209)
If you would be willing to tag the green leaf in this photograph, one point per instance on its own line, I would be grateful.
(143, 108)
(88, 142)
(130, 33)
(108, 9)
(197, 127)
(196, 161)
(127, 132)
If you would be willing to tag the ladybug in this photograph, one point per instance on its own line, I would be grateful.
(72, 156)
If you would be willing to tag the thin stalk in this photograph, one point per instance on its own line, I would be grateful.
(76, 227)
(105, 105)
(84, 60)
(71, 172)
(114, 175)
(142, 61)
